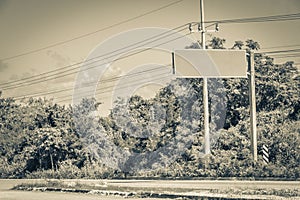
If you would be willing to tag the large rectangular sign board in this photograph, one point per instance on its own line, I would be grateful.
(210, 63)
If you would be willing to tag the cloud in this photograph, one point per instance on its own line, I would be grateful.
(3, 66)
(59, 59)
(3, 4)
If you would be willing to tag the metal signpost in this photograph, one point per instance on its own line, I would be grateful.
(215, 63)
(252, 99)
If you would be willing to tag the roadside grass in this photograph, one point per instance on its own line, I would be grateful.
(101, 185)
(104, 188)
(260, 191)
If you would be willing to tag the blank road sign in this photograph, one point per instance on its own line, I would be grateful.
(192, 63)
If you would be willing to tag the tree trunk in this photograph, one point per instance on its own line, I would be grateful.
(52, 164)
(40, 159)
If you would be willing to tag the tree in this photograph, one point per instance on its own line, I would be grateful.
(277, 86)
(46, 147)
(94, 133)
(162, 136)
(238, 45)
(252, 45)
(217, 43)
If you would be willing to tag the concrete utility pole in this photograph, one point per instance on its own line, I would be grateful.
(205, 88)
(252, 99)
(239, 59)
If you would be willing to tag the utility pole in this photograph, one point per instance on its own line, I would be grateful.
(252, 99)
(241, 61)
(205, 87)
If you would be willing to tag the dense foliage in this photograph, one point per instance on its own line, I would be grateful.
(162, 136)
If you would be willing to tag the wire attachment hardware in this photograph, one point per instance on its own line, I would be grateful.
(200, 28)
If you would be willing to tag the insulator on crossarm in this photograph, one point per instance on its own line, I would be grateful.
(199, 27)
(217, 27)
(190, 27)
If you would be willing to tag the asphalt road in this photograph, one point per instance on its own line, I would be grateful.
(209, 184)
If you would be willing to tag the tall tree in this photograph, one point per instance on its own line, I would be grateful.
(238, 45)
(217, 43)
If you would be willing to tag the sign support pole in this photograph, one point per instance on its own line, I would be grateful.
(205, 87)
(253, 131)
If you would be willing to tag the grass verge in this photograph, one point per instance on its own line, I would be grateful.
(100, 187)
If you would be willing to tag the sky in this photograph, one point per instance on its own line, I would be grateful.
(32, 25)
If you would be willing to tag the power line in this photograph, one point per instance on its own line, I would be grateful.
(53, 76)
(87, 85)
(91, 33)
(271, 18)
(278, 47)
(293, 63)
(109, 88)
(287, 56)
(42, 79)
(122, 58)
(123, 49)
(143, 50)
(281, 51)
(221, 21)
(287, 17)
(103, 92)
(288, 53)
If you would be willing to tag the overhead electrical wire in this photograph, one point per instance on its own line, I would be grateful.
(288, 53)
(292, 50)
(281, 51)
(134, 53)
(85, 85)
(241, 20)
(92, 33)
(114, 78)
(219, 21)
(60, 75)
(294, 16)
(108, 89)
(36, 94)
(42, 79)
(287, 56)
(87, 62)
(287, 17)
(165, 75)
(279, 47)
